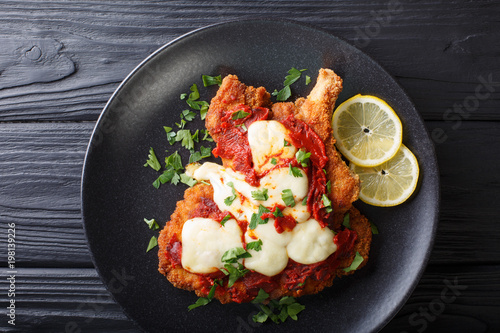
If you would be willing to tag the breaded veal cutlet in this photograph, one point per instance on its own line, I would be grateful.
(316, 111)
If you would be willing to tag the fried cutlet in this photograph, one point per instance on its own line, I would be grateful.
(315, 111)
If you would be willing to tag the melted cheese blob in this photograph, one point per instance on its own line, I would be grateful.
(204, 241)
(273, 257)
(310, 243)
(267, 140)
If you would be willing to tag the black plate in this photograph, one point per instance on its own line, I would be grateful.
(117, 192)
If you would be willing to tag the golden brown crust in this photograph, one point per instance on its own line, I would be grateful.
(316, 111)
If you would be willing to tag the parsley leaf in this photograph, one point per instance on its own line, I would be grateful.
(304, 201)
(195, 94)
(374, 228)
(293, 75)
(188, 115)
(294, 171)
(283, 94)
(329, 187)
(257, 218)
(211, 80)
(260, 195)
(240, 114)
(287, 197)
(273, 161)
(229, 200)
(175, 161)
(196, 135)
(168, 175)
(286, 143)
(153, 160)
(186, 139)
(153, 242)
(257, 245)
(261, 296)
(230, 257)
(171, 135)
(205, 300)
(287, 307)
(327, 203)
(358, 259)
(277, 212)
(207, 136)
(152, 224)
(346, 222)
(185, 179)
(205, 152)
(308, 80)
(225, 219)
(303, 157)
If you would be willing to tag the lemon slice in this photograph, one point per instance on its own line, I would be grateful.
(390, 183)
(367, 130)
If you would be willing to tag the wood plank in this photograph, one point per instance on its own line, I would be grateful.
(49, 299)
(61, 60)
(40, 192)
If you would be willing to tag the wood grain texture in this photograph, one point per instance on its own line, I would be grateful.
(61, 60)
(52, 300)
(40, 191)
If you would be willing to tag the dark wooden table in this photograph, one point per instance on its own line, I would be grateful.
(61, 60)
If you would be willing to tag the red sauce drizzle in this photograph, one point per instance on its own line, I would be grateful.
(173, 251)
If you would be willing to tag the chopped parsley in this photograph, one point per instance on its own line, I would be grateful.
(170, 134)
(286, 143)
(260, 195)
(152, 224)
(303, 157)
(261, 296)
(327, 203)
(205, 300)
(294, 171)
(186, 138)
(346, 222)
(256, 246)
(304, 201)
(168, 175)
(273, 161)
(277, 212)
(211, 80)
(185, 179)
(287, 197)
(358, 259)
(285, 93)
(175, 161)
(257, 218)
(206, 136)
(329, 187)
(279, 311)
(153, 160)
(308, 80)
(153, 242)
(374, 228)
(240, 114)
(229, 200)
(188, 115)
(231, 257)
(225, 219)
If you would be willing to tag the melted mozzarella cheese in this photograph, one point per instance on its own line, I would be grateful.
(266, 139)
(204, 241)
(310, 243)
(245, 205)
(272, 258)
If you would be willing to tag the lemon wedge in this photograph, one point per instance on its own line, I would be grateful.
(367, 130)
(390, 183)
